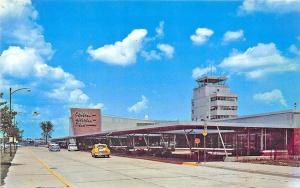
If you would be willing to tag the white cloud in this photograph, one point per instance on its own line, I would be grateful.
(78, 95)
(281, 6)
(121, 52)
(71, 95)
(164, 50)
(167, 49)
(152, 55)
(293, 49)
(96, 106)
(26, 63)
(18, 62)
(160, 29)
(201, 35)
(25, 59)
(140, 105)
(18, 26)
(274, 96)
(259, 61)
(230, 36)
(4, 84)
(15, 8)
(126, 51)
(198, 72)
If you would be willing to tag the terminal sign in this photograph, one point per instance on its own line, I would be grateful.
(85, 121)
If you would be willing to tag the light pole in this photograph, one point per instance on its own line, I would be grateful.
(204, 140)
(11, 92)
(204, 133)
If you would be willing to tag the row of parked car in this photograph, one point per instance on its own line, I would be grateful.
(98, 150)
(55, 147)
(7, 145)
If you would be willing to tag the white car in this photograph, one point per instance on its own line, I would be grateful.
(72, 147)
(54, 147)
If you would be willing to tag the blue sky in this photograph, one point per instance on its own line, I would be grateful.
(138, 59)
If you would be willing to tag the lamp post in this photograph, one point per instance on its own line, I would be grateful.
(204, 133)
(204, 140)
(11, 92)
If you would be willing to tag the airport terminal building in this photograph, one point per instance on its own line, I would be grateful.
(226, 134)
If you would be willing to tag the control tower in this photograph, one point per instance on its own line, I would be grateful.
(213, 100)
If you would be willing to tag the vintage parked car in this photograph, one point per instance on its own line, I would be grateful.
(72, 147)
(54, 147)
(99, 150)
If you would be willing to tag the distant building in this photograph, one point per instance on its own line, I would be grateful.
(213, 100)
(290, 118)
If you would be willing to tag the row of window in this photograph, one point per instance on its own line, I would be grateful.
(216, 117)
(195, 119)
(223, 98)
(223, 108)
(221, 116)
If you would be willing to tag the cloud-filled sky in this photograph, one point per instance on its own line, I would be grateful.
(140, 59)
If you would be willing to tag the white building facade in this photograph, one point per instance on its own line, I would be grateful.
(213, 100)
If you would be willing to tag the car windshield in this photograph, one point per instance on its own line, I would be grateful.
(101, 146)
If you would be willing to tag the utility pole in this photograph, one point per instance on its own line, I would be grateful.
(204, 154)
(11, 92)
(204, 133)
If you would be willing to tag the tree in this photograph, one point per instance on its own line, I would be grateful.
(7, 126)
(47, 128)
(1, 102)
(7, 117)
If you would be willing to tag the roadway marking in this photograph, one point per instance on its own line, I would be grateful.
(191, 164)
(51, 171)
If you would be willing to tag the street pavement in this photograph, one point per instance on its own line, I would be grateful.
(37, 167)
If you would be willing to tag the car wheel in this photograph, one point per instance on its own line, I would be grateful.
(107, 156)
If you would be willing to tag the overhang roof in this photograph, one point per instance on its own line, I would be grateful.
(172, 126)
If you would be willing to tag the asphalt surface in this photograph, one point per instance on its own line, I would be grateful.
(37, 167)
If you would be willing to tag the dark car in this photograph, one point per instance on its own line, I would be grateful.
(54, 147)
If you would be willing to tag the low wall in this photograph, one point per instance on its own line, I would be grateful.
(258, 158)
(296, 140)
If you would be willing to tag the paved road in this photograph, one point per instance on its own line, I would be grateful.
(36, 167)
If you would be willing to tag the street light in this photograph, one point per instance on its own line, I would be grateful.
(204, 133)
(11, 92)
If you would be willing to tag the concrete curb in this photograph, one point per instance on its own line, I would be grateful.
(191, 164)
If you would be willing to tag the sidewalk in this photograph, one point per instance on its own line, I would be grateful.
(25, 170)
(6, 160)
(283, 171)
